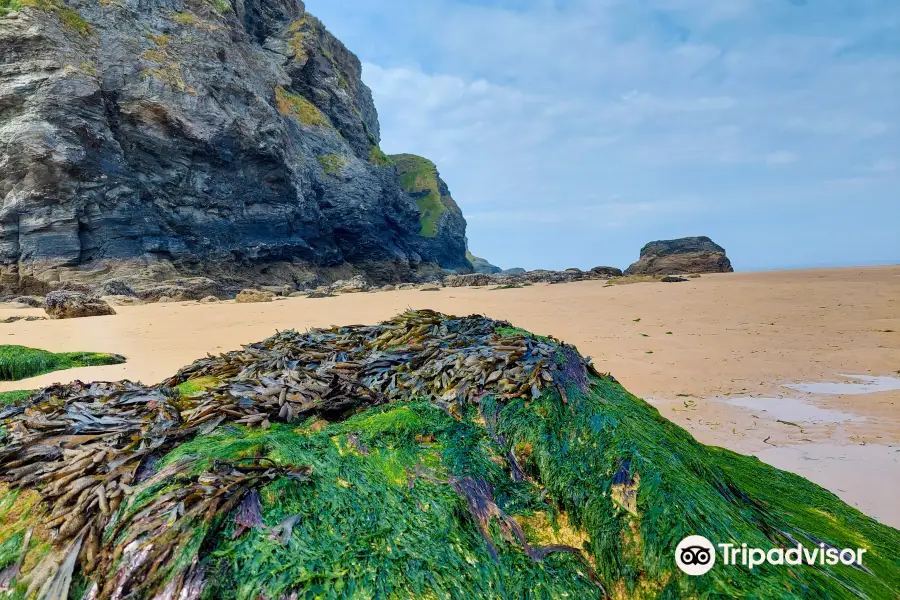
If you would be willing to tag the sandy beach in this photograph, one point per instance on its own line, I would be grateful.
(715, 355)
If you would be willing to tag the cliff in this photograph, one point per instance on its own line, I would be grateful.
(165, 138)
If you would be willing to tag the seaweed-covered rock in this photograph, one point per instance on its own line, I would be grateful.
(249, 296)
(684, 255)
(428, 456)
(673, 279)
(71, 305)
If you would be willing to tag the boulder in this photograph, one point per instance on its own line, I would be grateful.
(191, 288)
(122, 300)
(115, 287)
(354, 285)
(606, 272)
(472, 280)
(673, 279)
(69, 305)
(32, 301)
(250, 296)
(684, 255)
(209, 300)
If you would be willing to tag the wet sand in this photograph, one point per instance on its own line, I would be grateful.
(736, 342)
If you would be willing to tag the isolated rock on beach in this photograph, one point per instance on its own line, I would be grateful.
(606, 272)
(684, 255)
(354, 285)
(251, 296)
(70, 305)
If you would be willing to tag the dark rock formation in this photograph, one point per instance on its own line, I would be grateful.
(607, 272)
(471, 280)
(153, 140)
(71, 305)
(685, 255)
(673, 279)
(514, 271)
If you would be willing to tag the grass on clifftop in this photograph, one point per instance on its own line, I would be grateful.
(298, 107)
(19, 362)
(419, 179)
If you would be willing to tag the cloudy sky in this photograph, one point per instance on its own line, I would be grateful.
(571, 132)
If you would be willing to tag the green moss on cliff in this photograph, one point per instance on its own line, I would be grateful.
(19, 362)
(223, 7)
(419, 179)
(8, 6)
(184, 18)
(332, 164)
(67, 16)
(377, 157)
(298, 107)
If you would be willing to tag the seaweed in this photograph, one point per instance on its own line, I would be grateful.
(429, 457)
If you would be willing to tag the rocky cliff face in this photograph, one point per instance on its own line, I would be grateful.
(442, 226)
(170, 137)
(684, 255)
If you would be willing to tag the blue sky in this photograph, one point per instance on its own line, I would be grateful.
(571, 132)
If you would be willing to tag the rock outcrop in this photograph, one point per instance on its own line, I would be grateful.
(72, 305)
(152, 140)
(684, 255)
(250, 296)
(442, 226)
(481, 265)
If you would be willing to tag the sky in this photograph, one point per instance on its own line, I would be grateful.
(572, 132)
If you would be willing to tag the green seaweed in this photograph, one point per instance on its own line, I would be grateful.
(381, 514)
(13, 396)
(19, 362)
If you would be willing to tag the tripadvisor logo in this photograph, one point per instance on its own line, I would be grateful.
(696, 555)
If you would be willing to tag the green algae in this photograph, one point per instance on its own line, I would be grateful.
(604, 472)
(20, 362)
